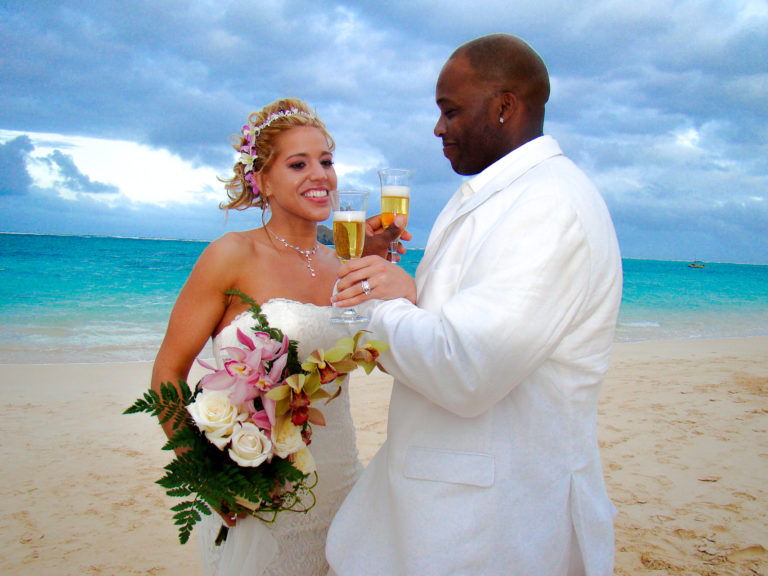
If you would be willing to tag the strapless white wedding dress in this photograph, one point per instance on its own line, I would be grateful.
(295, 542)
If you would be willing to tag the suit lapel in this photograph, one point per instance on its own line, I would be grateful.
(505, 171)
(435, 240)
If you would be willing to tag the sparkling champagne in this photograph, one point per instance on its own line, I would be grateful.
(349, 234)
(394, 200)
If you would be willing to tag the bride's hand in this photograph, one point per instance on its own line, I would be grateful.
(384, 280)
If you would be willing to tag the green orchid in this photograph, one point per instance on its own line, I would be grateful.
(295, 396)
(327, 366)
(366, 356)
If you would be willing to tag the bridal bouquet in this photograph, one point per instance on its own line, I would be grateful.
(243, 435)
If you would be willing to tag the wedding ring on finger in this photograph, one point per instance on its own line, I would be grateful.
(365, 286)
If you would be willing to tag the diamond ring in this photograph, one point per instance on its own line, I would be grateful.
(365, 286)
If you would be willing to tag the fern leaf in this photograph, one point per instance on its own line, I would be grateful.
(181, 507)
(202, 507)
(178, 492)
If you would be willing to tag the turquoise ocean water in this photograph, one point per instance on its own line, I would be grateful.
(88, 299)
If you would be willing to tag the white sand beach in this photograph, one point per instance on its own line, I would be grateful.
(683, 431)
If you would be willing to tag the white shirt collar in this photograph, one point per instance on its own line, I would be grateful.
(523, 154)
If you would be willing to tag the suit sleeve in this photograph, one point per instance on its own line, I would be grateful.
(517, 295)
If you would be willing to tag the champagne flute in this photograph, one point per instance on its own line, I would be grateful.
(348, 239)
(395, 199)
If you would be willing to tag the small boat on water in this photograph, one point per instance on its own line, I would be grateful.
(696, 264)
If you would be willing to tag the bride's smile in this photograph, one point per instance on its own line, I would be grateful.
(301, 176)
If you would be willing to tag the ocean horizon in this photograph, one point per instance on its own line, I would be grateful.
(92, 299)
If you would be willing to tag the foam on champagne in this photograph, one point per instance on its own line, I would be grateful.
(397, 191)
(349, 216)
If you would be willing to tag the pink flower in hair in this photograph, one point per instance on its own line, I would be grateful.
(251, 179)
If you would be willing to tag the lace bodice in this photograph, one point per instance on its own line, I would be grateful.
(300, 537)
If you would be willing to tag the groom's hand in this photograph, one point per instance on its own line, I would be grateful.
(378, 238)
(383, 281)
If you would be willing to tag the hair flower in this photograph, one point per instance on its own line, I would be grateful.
(247, 159)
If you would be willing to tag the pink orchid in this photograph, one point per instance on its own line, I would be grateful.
(245, 374)
(239, 376)
(251, 179)
(265, 349)
(271, 347)
(265, 418)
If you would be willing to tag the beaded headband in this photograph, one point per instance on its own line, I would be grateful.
(250, 133)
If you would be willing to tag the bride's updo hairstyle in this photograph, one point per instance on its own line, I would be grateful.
(258, 148)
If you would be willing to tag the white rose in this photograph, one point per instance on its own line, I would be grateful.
(250, 446)
(286, 438)
(304, 461)
(215, 415)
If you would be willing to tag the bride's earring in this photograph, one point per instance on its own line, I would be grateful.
(264, 210)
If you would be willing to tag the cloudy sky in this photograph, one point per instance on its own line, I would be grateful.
(115, 115)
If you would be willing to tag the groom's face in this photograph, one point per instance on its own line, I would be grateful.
(467, 112)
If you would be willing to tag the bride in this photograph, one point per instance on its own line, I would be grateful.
(286, 167)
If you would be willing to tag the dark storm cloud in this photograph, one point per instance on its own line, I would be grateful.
(73, 179)
(14, 178)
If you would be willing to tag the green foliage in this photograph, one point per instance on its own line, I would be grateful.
(169, 405)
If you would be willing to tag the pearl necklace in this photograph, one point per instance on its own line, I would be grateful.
(307, 254)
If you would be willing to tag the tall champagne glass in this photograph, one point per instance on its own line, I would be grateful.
(348, 239)
(395, 199)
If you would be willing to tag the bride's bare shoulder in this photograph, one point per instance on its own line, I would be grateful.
(234, 244)
(226, 254)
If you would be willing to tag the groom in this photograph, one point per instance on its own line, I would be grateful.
(491, 463)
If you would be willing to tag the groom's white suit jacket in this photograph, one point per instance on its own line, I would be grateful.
(491, 463)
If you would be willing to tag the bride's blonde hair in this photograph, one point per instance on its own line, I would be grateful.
(258, 148)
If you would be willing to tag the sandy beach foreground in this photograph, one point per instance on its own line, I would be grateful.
(683, 433)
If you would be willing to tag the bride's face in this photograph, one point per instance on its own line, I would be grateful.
(301, 176)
